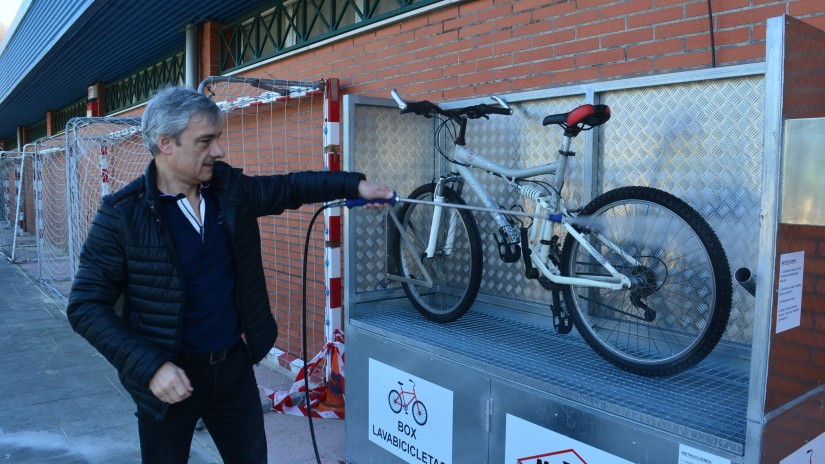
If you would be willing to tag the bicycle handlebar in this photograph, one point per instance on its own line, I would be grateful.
(426, 108)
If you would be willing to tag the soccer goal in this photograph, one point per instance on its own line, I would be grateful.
(273, 127)
(17, 239)
(105, 154)
(51, 209)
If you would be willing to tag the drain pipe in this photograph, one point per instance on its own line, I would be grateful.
(746, 279)
(191, 56)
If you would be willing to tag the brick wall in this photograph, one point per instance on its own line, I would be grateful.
(490, 46)
(797, 357)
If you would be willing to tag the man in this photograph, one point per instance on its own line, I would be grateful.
(171, 276)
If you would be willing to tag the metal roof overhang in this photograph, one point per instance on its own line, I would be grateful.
(61, 47)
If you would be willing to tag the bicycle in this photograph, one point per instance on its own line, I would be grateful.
(397, 402)
(645, 279)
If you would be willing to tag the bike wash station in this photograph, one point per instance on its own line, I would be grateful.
(740, 144)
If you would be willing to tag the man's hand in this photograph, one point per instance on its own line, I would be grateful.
(170, 384)
(372, 191)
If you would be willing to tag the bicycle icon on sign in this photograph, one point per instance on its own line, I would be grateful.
(404, 399)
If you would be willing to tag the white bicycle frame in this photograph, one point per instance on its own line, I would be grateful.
(541, 230)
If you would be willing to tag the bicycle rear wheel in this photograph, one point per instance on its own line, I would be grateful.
(679, 304)
(455, 268)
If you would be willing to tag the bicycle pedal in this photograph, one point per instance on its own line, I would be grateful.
(562, 324)
(509, 252)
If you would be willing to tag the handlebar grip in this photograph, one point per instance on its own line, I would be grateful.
(356, 202)
(419, 107)
(497, 110)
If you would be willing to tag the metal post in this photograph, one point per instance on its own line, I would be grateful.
(191, 56)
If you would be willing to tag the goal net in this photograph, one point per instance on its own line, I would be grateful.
(105, 154)
(52, 216)
(17, 240)
(9, 171)
(276, 127)
(271, 127)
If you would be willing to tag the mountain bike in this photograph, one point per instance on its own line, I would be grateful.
(644, 278)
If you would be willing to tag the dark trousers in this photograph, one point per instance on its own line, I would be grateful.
(225, 395)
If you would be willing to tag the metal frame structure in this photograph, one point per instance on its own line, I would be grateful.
(500, 364)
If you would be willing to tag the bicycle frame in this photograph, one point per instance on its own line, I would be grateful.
(541, 230)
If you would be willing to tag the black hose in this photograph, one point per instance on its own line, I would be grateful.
(304, 328)
(712, 40)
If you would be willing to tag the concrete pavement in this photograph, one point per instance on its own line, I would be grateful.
(61, 402)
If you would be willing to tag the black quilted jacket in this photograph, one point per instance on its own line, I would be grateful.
(130, 252)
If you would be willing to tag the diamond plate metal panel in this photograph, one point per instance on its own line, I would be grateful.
(520, 141)
(702, 142)
(397, 150)
(698, 140)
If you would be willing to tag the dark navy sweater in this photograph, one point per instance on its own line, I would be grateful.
(211, 320)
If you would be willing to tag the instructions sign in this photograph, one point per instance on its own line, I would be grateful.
(789, 293)
(688, 455)
(527, 443)
(409, 416)
(812, 452)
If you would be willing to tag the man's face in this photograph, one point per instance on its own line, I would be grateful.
(190, 159)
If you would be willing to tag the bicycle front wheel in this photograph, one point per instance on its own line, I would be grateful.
(680, 297)
(455, 267)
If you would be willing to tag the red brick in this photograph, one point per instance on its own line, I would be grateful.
(626, 68)
(499, 11)
(600, 28)
(749, 16)
(511, 72)
(800, 8)
(492, 88)
(513, 46)
(600, 57)
(476, 53)
(512, 21)
(730, 5)
(494, 38)
(627, 38)
(655, 48)
(682, 28)
(576, 75)
(576, 19)
(555, 10)
(654, 17)
(682, 61)
(536, 28)
(553, 38)
(557, 64)
(626, 8)
(740, 54)
(578, 46)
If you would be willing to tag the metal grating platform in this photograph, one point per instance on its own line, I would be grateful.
(707, 403)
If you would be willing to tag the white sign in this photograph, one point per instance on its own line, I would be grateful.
(527, 443)
(688, 455)
(409, 416)
(789, 293)
(812, 452)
